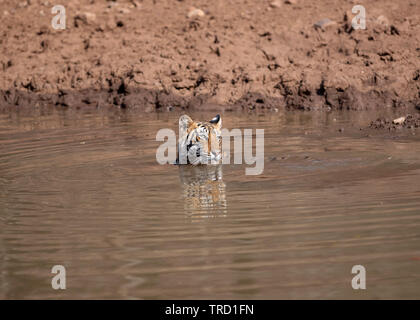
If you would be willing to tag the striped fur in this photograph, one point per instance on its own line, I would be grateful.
(202, 141)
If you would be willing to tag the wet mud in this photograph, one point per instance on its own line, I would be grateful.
(163, 55)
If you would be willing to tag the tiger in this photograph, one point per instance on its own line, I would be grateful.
(200, 143)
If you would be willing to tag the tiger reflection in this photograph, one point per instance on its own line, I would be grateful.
(204, 191)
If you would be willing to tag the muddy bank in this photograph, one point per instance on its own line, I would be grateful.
(161, 55)
(405, 122)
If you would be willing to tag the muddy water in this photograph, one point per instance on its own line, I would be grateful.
(84, 190)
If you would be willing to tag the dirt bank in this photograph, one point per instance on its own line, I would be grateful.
(151, 55)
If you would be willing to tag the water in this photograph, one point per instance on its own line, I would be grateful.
(84, 190)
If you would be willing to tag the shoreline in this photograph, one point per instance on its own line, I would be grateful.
(154, 56)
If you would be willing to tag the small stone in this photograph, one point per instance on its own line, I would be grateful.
(90, 16)
(290, 2)
(193, 13)
(324, 23)
(85, 18)
(399, 121)
(276, 4)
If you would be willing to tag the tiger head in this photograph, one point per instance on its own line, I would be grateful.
(200, 142)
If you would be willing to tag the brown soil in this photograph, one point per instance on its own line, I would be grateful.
(410, 122)
(149, 55)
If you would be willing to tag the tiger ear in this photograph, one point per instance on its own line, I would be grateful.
(184, 122)
(217, 121)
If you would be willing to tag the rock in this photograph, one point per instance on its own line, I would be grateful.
(276, 4)
(85, 18)
(399, 121)
(324, 24)
(290, 2)
(90, 16)
(193, 13)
